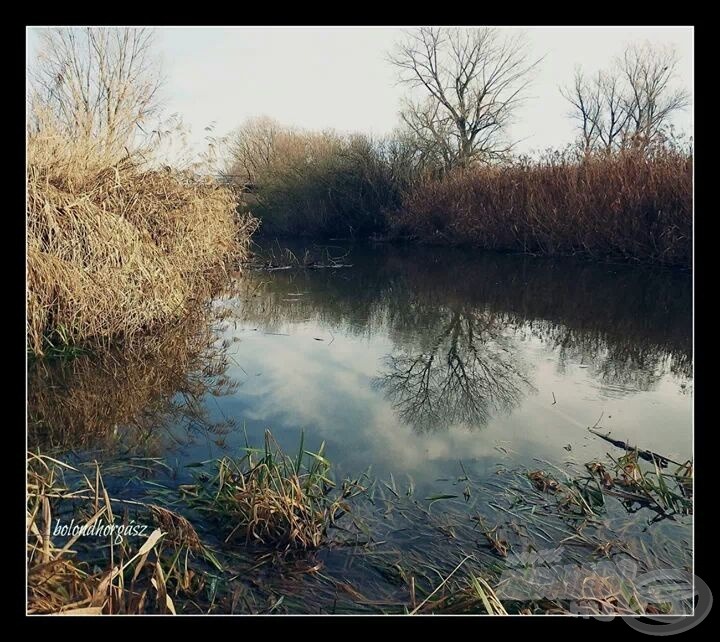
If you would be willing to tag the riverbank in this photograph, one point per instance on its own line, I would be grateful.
(627, 206)
(461, 384)
(116, 249)
(634, 205)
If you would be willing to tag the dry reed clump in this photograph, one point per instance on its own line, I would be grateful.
(628, 205)
(114, 248)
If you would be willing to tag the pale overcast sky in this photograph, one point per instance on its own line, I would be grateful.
(338, 78)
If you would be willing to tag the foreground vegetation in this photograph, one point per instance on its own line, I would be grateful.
(294, 519)
(118, 244)
(267, 497)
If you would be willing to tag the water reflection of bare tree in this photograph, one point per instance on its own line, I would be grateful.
(131, 400)
(463, 375)
(631, 326)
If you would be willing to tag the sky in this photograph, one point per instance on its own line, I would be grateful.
(339, 78)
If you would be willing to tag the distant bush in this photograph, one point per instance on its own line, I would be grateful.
(321, 184)
(635, 203)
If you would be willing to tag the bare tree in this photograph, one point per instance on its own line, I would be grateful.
(461, 377)
(649, 73)
(585, 100)
(629, 105)
(611, 129)
(100, 83)
(600, 107)
(253, 148)
(473, 80)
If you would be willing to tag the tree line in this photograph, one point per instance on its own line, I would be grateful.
(448, 173)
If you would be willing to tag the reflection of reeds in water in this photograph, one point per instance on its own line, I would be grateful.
(627, 365)
(625, 318)
(125, 398)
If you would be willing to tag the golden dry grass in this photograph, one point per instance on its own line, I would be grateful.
(273, 500)
(115, 248)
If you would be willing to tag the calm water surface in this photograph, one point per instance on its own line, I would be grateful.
(409, 361)
(426, 365)
(414, 359)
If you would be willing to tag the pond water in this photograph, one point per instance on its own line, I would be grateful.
(412, 361)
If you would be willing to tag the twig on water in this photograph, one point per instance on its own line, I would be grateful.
(647, 455)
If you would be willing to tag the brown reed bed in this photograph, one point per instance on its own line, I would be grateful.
(116, 248)
(629, 205)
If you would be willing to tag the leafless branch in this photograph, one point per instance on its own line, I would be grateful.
(473, 80)
(100, 83)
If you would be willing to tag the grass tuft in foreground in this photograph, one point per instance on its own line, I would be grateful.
(269, 498)
(85, 573)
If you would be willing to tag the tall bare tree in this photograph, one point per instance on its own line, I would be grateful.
(473, 80)
(100, 83)
(631, 104)
(649, 73)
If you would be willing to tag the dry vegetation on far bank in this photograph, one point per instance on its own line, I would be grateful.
(629, 205)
